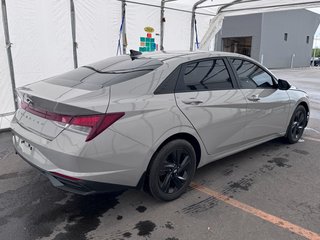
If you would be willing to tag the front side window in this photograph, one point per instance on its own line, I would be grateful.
(205, 76)
(251, 76)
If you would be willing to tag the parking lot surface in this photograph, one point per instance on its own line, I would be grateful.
(271, 191)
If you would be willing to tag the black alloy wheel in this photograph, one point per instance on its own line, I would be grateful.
(297, 124)
(172, 170)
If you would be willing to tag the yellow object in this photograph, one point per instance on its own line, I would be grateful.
(149, 29)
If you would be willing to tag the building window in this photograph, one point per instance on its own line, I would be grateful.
(308, 39)
(286, 36)
(240, 45)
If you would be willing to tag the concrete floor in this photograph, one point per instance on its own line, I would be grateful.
(275, 179)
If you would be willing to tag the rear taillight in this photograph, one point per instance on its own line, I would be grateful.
(97, 123)
(45, 114)
(92, 124)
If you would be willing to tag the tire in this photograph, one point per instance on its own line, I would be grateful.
(172, 170)
(297, 124)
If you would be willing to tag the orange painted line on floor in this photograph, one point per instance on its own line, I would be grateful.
(312, 139)
(258, 213)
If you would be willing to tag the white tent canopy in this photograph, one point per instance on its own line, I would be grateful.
(42, 44)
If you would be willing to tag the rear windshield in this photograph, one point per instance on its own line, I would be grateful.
(106, 73)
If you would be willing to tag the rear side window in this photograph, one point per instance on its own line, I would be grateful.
(205, 76)
(168, 85)
(251, 76)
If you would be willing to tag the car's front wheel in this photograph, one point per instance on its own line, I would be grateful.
(172, 170)
(297, 124)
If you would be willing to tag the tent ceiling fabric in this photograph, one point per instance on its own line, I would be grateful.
(40, 32)
(210, 6)
(97, 29)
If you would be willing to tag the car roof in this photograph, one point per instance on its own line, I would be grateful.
(175, 58)
(182, 56)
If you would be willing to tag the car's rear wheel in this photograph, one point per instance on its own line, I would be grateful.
(172, 170)
(297, 124)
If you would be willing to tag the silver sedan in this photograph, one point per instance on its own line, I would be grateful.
(148, 121)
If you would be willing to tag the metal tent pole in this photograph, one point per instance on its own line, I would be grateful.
(9, 53)
(73, 30)
(314, 49)
(124, 29)
(162, 24)
(162, 21)
(193, 17)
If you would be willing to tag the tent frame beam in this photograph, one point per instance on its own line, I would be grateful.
(277, 6)
(9, 53)
(169, 8)
(220, 10)
(223, 4)
(162, 18)
(193, 18)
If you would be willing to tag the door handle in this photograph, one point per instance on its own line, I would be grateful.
(192, 102)
(253, 98)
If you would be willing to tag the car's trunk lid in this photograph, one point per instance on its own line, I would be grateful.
(47, 98)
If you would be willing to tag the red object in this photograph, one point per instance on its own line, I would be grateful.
(98, 123)
(64, 176)
(44, 114)
(149, 35)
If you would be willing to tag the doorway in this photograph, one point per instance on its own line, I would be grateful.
(241, 45)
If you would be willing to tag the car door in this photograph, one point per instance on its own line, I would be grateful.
(207, 95)
(268, 107)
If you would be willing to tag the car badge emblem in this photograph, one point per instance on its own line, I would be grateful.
(29, 101)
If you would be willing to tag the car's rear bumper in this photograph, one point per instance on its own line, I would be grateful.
(71, 164)
(77, 186)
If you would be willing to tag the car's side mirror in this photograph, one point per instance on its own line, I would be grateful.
(283, 84)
